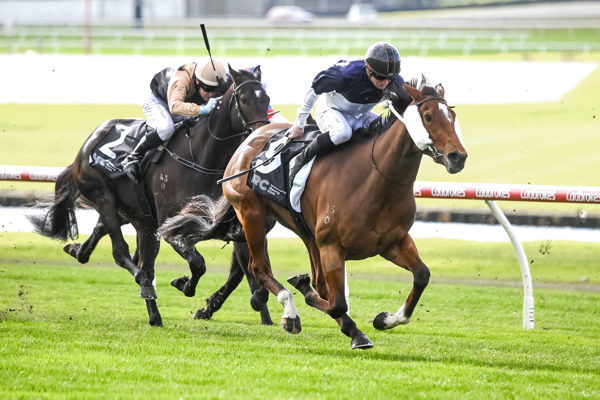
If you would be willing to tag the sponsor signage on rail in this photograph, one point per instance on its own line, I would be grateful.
(443, 190)
(486, 191)
(30, 174)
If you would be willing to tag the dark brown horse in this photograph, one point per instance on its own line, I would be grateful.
(358, 202)
(197, 161)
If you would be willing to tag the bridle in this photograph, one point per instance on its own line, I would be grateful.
(236, 90)
(247, 130)
(435, 152)
(234, 103)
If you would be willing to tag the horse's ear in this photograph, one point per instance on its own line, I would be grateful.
(414, 93)
(257, 72)
(232, 72)
(440, 89)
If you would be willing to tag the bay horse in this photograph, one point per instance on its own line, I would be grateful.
(166, 187)
(358, 202)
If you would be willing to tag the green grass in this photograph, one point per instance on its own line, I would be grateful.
(550, 262)
(80, 332)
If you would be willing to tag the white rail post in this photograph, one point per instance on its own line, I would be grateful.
(528, 315)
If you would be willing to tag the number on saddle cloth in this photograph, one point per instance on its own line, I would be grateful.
(270, 170)
(120, 140)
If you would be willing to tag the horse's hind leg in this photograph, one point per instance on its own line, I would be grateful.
(260, 295)
(82, 251)
(254, 221)
(406, 256)
(331, 286)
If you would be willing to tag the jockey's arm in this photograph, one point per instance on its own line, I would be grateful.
(178, 89)
(303, 112)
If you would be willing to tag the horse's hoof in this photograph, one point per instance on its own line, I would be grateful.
(301, 282)
(256, 302)
(361, 341)
(71, 249)
(379, 321)
(157, 322)
(179, 283)
(266, 317)
(148, 293)
(203, 314)
(182, 285)
(291, 325)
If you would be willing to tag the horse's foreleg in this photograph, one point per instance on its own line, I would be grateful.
(216, 300)
(406, 256)
(82, 251)
(147, 250)
(148, 247)
(197, 266)
(120, 249)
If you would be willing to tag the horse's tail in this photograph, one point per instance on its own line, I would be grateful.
(59, 222)
(203, 219)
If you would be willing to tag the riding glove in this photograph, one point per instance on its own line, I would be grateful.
(206, 108)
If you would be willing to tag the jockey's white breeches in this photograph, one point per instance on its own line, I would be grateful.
(159, 117)
(340, 125)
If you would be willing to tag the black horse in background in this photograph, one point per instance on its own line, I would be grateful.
(197, 160)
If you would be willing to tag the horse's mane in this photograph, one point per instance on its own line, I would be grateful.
(224, 87)
(400, 99)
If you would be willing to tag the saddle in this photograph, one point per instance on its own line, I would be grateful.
(270, 175)
(121, 139)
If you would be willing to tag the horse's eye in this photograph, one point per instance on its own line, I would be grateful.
(427, 117)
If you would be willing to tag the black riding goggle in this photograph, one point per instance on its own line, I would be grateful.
(379, 77)
(207, 88)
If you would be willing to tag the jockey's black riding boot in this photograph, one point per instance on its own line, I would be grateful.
(320, 145)
(131, 164)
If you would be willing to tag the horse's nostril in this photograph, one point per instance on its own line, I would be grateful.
(454, 157)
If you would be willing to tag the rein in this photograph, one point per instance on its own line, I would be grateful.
(435, 152)
(247, 126)
(268, 160)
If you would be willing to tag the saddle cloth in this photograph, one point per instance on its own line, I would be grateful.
(120, 140)
(270, 173)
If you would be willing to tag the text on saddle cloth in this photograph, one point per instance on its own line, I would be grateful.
(121, 139)
(270, 174)
(116, 145)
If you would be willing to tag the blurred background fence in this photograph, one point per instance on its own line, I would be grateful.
(265, 41)
(247, 28)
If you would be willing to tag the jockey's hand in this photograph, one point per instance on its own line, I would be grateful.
(295, 132)
(206, 108)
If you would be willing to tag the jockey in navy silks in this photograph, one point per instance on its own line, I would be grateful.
(352, 89)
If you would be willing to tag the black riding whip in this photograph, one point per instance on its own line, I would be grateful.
(208, 48)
